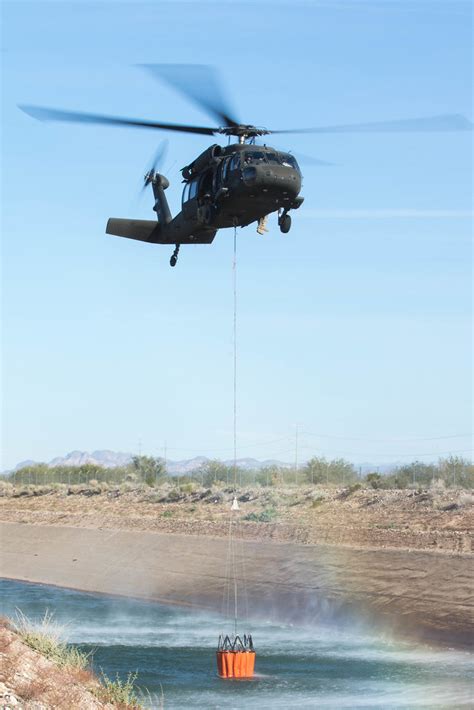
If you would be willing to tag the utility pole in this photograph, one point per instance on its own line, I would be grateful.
(296, 455)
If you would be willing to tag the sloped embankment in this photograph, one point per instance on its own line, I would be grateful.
(31, 681)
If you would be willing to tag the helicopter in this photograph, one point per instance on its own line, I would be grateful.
(225, 186)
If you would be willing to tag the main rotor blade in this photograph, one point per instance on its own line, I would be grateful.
(447, 122)
(305, 159)
(197, 82)
(51, 114)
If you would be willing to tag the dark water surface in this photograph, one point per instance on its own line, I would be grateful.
(298, 667)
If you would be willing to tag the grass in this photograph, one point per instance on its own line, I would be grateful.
(119, 692)
(44, 637)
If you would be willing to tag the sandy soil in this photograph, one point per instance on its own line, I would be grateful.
(402, 519)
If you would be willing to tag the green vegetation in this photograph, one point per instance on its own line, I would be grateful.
(374, 480)
(451, 472)
(322, 471)
(266, 516)
(119, 692)
(149, 469)
(141, 469)
(44, 637)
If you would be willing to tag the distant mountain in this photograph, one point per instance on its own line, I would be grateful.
(22, 464)
(105, 458)
(110, 459)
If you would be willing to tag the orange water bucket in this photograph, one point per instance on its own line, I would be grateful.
(235, 664)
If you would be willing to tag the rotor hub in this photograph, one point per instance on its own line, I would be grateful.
(243, 131)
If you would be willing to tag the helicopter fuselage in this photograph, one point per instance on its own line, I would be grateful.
(239, 184)
(229, 186)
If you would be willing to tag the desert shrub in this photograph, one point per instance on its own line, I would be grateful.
(265, 516)
(31, 689)
(213, 472)
(374, 480)
(270, 476)
(6, 489)
(149, 469)
(119, 692)
(174, 496)
(187, 487)
(457, 472)
(347, 492)
(320, 470)
(465, 500)
(44, 637)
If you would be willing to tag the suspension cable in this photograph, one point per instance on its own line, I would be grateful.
(234, 271)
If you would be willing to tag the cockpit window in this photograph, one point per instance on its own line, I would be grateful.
(289, 161)
(257, 156)
(253, 156)
(273, 158)
(235, 162)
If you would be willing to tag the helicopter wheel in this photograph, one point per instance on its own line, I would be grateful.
(174, 256)
(285, 223)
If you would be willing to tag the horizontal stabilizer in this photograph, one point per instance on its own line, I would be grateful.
(145, 230)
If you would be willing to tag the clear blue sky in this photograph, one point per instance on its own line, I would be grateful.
(356, 325)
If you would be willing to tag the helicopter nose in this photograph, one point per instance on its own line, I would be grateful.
(278, 178)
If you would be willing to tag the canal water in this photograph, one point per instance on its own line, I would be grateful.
(173, 652)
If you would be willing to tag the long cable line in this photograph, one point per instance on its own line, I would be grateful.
(234, 274)
(382, 441)
(255, 444)
(267, 442)
(361, 453)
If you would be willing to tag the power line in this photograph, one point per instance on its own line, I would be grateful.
(429, 453)
(392, 440)
(255, 444)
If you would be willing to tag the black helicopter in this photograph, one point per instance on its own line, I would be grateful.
(232, 185)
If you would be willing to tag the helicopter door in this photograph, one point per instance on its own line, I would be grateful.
(190, 200)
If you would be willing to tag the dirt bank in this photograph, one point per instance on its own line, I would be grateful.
(439, 520)
(423, 594)
(28, 680)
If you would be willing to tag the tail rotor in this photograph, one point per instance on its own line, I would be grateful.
(155, 165)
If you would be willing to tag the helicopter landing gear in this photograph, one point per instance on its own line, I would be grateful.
(262, 225)
(284, 222)
(174, 256)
